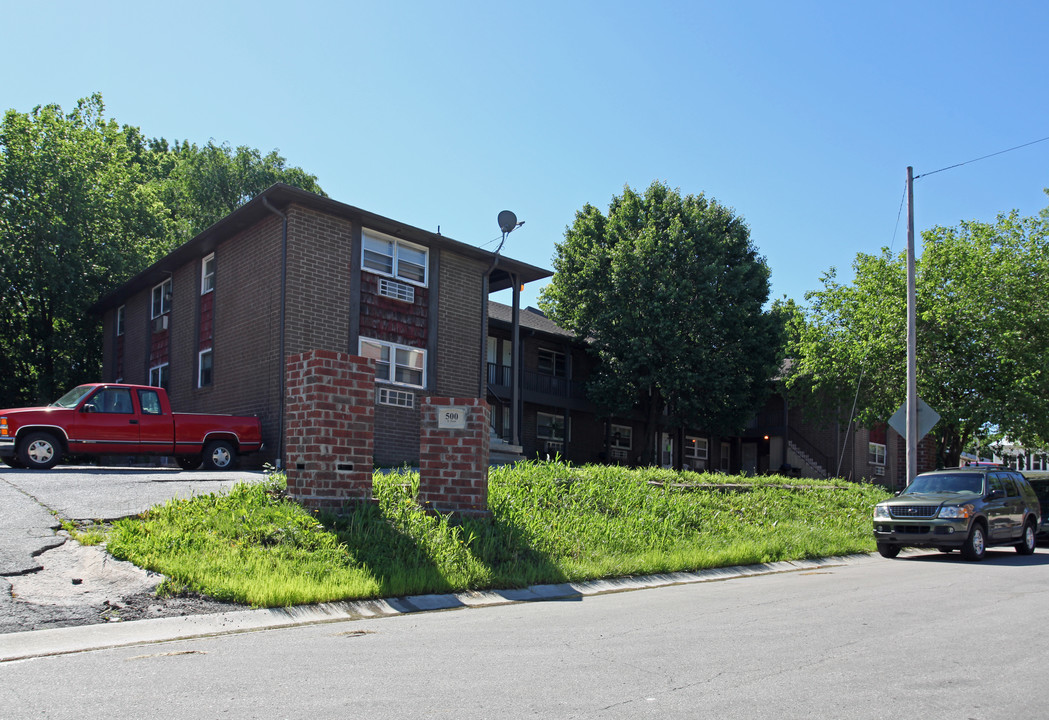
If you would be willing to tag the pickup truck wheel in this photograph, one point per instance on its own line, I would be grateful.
(888, 550)
(976, 544)
(219, 455)
(188, 462)
(39, 451)
(1029, 542)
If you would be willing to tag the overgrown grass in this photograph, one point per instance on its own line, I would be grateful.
(550, 522)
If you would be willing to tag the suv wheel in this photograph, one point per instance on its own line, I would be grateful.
(976, 544)
(888, 550)
(1029, 541)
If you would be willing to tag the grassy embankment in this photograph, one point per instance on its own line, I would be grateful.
(550, 523)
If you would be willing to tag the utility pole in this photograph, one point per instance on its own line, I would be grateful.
(912, 334)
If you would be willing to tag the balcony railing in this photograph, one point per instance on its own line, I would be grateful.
(500, 376)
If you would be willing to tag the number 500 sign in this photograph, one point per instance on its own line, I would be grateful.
(451, 418)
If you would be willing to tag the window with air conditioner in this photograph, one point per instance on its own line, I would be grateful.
(394, 257)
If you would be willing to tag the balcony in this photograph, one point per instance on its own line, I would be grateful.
(536, 387)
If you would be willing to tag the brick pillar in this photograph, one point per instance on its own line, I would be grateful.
(453, 455)
(328, 436)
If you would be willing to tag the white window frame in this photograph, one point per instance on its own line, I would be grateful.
(392, 349)
(397, 248)
(625, 441)
(200, 368)
(700, 446)
(876, 453)
(165, 299)
(555, 421)
(396, 398)
(121, 317)
(158, 375)
(207, 279)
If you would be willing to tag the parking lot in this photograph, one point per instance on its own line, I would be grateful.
(48, 581)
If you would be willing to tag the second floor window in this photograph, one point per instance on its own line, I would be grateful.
(207, 274)
(161, 299)
(120, 320)
(393, 257)
(553, 363)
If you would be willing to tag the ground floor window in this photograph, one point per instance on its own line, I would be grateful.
(726, 454)
(697, 452)
(158, 376)
(550, 427)
(394, 363)
(204, 365)
(875, 453)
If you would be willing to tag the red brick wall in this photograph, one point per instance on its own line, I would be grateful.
(328, 430)
(453, 464)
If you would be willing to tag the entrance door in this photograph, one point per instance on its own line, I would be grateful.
(666, 450)
(750, 458)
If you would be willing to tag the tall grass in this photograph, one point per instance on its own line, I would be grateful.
(550, 522)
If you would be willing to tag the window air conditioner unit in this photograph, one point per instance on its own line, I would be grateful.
(160, 324)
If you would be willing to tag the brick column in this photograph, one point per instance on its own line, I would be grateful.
(453, 455)
(328, 437)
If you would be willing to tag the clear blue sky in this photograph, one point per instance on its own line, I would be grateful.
(801, 116)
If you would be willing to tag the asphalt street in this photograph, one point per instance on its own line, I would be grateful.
(926, 636)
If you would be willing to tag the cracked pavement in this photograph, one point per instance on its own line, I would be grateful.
(49, 580)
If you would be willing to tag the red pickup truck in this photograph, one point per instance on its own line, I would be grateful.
(116, 419)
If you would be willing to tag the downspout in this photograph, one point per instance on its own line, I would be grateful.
(283, 301)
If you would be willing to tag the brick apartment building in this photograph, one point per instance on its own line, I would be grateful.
(290, 272)
(553, 416)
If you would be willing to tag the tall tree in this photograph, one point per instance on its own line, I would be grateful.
(85, 204)
(201, 185)
(669, 291)
(77, 210)
(982, 333)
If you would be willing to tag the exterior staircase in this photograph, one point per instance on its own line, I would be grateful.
(803, 461)
(501, 452)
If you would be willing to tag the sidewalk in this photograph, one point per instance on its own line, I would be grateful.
(61, 641)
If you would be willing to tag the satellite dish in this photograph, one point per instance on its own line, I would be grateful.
(507, 221)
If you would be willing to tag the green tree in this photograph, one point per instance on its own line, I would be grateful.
(85, 204)
(982, 334)
(77, 211)
(201, 185)
(669, 291)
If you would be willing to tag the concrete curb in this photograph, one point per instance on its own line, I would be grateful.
(85, 638)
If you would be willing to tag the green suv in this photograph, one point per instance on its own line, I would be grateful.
(967, 509)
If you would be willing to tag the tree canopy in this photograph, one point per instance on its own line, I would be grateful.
(84, 204)
(669, 292)
(982, 334)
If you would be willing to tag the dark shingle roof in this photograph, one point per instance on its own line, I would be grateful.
(530, 318)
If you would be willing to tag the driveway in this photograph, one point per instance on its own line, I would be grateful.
(35, 558)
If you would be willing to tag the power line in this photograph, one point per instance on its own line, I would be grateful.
(1000, 152)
